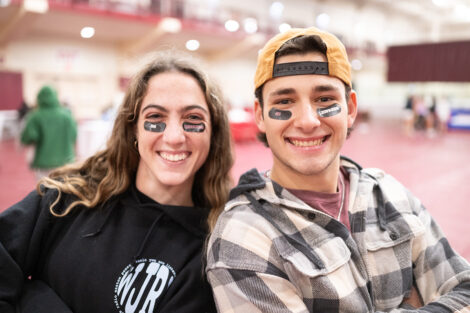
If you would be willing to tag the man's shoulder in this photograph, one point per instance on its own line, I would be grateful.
(240, 217)
(375, 174)
(386, 180)
(242, 239)
(238, 214)
(392, 192)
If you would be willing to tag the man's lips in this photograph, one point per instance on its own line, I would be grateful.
(310, 142)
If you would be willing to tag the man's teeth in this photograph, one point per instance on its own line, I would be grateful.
(174, 157)
(306, 143)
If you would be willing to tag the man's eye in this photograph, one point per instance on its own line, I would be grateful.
(283, 101)
(325, 99)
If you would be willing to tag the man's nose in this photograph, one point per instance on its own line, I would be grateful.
(306, 117)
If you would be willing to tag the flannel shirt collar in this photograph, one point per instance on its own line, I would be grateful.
(264, 188)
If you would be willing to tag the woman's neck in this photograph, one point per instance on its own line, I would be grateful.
(173, 195)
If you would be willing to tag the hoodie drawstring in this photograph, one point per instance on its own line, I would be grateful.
(105, 220)
(147, 236)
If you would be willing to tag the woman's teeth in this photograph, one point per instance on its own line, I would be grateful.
(174, 157)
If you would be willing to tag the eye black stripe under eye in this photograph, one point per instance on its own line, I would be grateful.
(279, 114)
(194, 127)
(154, 127)
(331, 110)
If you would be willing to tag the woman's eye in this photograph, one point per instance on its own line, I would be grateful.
(154, 115)
(194, 117)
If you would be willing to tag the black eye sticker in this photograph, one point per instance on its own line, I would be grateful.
(329, 111)
(194, 128)
(154, 127)
(280, 114)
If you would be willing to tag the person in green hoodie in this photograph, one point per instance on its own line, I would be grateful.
(52, 129)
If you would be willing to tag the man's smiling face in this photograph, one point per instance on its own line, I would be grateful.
(306, 143)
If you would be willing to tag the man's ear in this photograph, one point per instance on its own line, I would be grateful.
(259, 118)
(352, 108)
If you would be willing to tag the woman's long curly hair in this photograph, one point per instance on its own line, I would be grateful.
(110, 172)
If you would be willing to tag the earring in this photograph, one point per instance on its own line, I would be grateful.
(136, 144)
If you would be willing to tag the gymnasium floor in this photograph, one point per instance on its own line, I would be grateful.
(435, 169)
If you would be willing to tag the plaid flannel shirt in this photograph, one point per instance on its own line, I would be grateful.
(271, 252)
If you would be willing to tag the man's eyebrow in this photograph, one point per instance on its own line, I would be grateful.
(155, 106)
(281, 92)
(323, 88)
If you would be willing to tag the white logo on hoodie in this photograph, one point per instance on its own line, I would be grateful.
(141, 284)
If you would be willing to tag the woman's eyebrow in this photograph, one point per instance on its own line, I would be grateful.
(184, 109)
(192, 107)
(155, 106)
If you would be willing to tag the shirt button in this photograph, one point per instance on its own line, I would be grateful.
(311, 216)
(393, 236)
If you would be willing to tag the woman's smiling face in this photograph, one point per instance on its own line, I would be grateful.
(173, 133)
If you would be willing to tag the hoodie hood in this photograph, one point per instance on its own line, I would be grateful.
(47, 98)
(193, 219)
(249, 181)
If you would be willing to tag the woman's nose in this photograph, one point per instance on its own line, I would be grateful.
(174, 133)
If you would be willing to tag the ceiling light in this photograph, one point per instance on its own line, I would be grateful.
(232, 25)
(38, 6)
(87, 32)
(250, 25)
(284, 27)
(192, 45)
(171, 24)
(356, 64)
(276, 9)
(323, 20)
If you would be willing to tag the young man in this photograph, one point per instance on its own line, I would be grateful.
(318, 233)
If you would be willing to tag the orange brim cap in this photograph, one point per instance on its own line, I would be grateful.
(338, 63)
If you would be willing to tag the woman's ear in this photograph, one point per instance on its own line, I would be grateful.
(352, 108)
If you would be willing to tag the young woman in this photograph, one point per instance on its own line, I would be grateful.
(124, 231)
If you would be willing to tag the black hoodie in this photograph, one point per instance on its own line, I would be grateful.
(131, 255)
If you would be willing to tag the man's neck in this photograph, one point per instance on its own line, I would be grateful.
(324, 181)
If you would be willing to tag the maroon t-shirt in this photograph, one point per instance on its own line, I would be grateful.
(328, 203)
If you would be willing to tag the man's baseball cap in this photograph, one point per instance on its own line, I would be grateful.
(337, 65)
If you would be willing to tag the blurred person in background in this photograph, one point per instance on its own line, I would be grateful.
(22, 113)
(421, 112)
(124, 231)
(52, 130)
(23, 110)
(317, 232)
(443, 113)
(431, 118)
(408, 116)
(424, 109)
